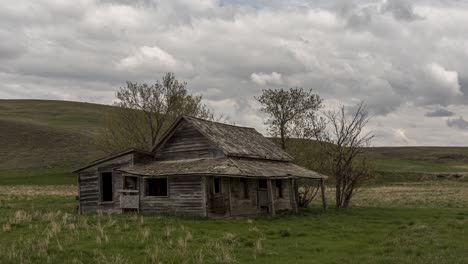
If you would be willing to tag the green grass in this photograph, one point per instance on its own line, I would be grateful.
(55, 176)
(39, 134)
(68, 116)
(396, 164)
(44, 228)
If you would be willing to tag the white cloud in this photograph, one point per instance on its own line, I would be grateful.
(227, 107)
(446, 81)
(108, 17)
(264, 78)
(148, 57)
(404, 59)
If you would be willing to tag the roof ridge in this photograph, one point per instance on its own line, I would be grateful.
(220, 123)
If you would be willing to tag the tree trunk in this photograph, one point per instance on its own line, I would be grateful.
(338, 192)
(283, 139)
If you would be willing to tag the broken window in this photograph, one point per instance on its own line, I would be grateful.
(216, 184)
(130, 183)
(279, 188)
(244, 182)
(106, 187)
(156, 187)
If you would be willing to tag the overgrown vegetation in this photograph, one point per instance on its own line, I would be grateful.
(40, 225)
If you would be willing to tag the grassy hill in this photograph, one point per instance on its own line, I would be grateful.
(42, 140)
(396, 164)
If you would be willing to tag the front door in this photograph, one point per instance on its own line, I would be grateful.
(262, 191)
(218, 204)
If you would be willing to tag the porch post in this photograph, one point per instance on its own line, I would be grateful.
(292, 194)
(272, 197)
(229, 193)
(322, 187)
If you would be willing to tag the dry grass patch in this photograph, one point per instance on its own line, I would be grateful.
(414, 195)
(36, 190)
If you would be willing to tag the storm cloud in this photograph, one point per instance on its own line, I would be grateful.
(440, 112)
(406, 59)
(459, 123)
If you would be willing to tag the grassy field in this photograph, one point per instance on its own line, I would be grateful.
(38, 224)
(414, 211)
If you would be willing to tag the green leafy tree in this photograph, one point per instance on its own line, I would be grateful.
(144, 112)
(289, 112)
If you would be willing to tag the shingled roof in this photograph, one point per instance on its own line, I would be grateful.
(236, 141)
(232, 167)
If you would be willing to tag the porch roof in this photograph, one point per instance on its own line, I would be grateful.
(231, 167)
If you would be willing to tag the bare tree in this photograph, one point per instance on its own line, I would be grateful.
(344, 138)
(307, 190)
(288, 109)
(143, 112)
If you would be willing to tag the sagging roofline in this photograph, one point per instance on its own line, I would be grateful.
(113, 156)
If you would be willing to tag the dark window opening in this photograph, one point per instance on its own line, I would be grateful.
(244, 187)
(106, 187)
(216, 184)
(262, 184)
(130, 183)
(156, 187)
(279, 188)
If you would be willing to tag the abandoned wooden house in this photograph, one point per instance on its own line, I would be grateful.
(199, 168)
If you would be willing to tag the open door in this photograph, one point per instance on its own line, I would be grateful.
(262, 192)
(107, 191)
(217, 201)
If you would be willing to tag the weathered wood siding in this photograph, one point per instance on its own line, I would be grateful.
(89, 185)
(283, 203)
(241, 205)
(187, 143)
(217, 205)
(185, 196)
(88, 191)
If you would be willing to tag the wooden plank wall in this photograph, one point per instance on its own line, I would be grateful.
(89, 186)
(185, 196)
(187, 143)
(283, 203)
(241, 205)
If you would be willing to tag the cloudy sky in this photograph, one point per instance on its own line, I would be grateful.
(407, 59)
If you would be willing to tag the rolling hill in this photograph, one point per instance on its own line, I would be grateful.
(42, 141)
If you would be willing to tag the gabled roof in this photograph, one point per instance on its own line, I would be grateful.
(113, 156)
(229, 167)
(234, 141)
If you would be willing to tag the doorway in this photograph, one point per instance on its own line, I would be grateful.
(106, 187)
(262, 192)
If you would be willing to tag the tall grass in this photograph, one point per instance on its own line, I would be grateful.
(44, 228)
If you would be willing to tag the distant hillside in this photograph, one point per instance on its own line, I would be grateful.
(42, 140)
(398, 163)
(47, 134)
